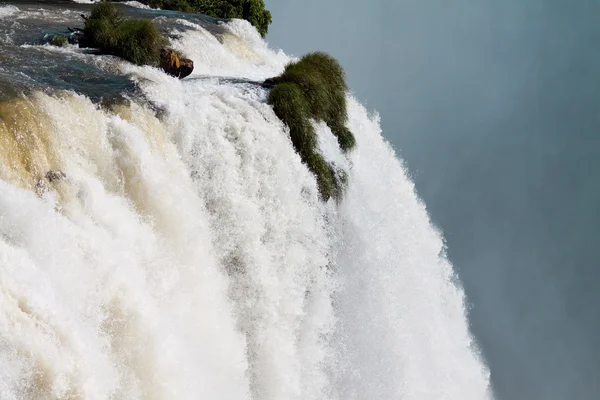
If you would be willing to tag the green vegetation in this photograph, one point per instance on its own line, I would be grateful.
(251, 10)
(136, 40)
(59, 41)
(314, 88)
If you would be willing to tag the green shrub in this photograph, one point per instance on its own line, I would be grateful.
(314, 88)
(251, 10)
(257, 15)
(323, 82)
(59, 41)
(136, 40)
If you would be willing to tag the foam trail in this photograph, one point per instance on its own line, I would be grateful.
(402, 330)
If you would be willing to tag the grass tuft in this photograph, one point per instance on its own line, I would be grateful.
(136, 40)
(314, 88)
(59, 41)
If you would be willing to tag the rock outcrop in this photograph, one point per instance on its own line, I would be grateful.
(52, 176)
(55, 175)
(77, 36)
(174, 65)
(270, 83)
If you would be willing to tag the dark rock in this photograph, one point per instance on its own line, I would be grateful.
(269, 83)
(78, 37)
(40, 187)
(174, 65)
(186, 67)
(56, 175)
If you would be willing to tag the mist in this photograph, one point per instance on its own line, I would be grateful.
(494, 107)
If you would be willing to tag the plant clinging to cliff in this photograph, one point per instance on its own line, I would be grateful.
(314, 88)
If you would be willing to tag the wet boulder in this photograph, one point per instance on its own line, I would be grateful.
(271, 82)
(77, 36)
(186, 67)
(174, 65)
(55, 175)
(42, 185)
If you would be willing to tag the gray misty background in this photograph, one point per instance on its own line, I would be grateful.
(495, 107)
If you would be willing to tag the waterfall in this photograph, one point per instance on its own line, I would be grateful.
(184, 253)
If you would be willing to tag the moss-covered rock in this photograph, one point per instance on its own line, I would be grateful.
(136, 40)
(314, 88)
(59, 41)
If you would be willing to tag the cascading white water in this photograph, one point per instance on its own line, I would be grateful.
(189, 257)
(402, 330)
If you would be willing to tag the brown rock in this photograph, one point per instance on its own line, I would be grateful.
(175, 66)
(186, 66)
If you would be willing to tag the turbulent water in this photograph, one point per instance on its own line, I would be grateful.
(185, 253)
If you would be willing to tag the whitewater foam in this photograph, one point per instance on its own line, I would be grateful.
(402, 322)
(137, 4)
(7, 11)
